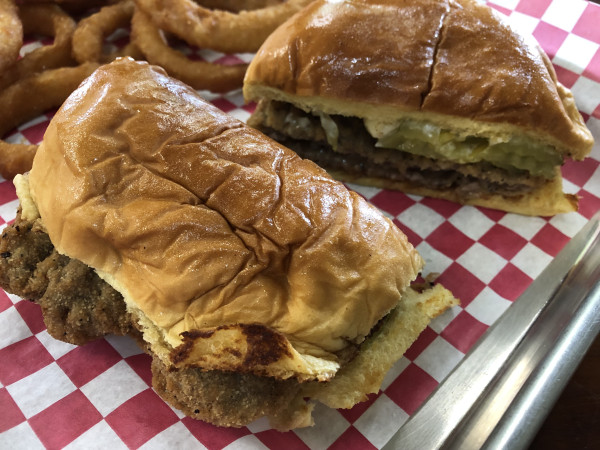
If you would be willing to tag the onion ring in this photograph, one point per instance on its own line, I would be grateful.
(27, 99)
(49, 20)
(91, 31)
(11, 34)
(216, 29)
(198, 74)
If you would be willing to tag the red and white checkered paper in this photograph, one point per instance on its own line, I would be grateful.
(56, 395)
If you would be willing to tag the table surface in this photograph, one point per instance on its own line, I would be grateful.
(574, 422)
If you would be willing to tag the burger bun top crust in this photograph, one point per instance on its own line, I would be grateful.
(455, 63)
(211, 230)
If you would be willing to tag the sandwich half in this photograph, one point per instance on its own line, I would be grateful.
(256, 282)
(438, 98)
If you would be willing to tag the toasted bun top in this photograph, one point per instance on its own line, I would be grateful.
(216, 236)
(454, 62)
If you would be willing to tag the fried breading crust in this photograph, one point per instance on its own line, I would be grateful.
(77, 305)
(229, 399)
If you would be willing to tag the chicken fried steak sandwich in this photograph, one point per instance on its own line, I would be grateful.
(257, 283)
(433, 97)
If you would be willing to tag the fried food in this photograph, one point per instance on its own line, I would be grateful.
(77, 305)
(244, 302)
(11, 34)
(27, 99)
(75, 7)
(198, 74)
(33, 84)
(48, 20)
(216, 29)
(89, 36)
(230, 399)
(15, 158)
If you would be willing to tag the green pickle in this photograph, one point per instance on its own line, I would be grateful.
(429, 140)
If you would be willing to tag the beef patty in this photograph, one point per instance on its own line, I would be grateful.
(357, 155)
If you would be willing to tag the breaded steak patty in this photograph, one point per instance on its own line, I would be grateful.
(78, 307)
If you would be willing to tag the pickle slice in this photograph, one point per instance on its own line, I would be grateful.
(432, 141)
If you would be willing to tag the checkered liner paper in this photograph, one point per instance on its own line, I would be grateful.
(55, 395)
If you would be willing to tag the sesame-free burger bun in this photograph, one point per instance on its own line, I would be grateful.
(231, 251)
(445, 88)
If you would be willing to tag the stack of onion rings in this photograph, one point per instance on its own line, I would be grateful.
(219, 30)
(11, 34)
(47, 20)
(43, 78)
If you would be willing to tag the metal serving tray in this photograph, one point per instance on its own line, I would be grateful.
(501, 392)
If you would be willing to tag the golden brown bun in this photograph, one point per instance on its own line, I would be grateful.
(454, 63)
(210, 229)
(365, 373)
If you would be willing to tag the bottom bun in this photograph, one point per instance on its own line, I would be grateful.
(380, 351)
(547, 200)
